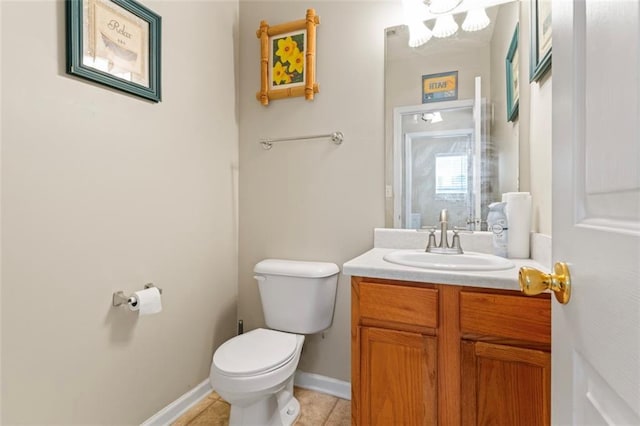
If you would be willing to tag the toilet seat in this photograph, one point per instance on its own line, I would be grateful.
(254, 353)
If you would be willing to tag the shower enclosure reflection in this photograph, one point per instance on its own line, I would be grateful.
(442, 161)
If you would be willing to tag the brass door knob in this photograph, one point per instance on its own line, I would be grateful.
(533, 281)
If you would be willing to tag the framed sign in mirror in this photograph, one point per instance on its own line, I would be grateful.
(541, 44)
(288, 59)
(115, 43)
(440, 87)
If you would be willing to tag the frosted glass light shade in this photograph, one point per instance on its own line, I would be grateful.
(445, 26)
(419, 34)
(438, 7)
(476, 20)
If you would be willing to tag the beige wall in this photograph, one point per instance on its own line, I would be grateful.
(404, 75)
(504, 134)
(314, 200)
(104, 192)
(540, 154)
(535, 134)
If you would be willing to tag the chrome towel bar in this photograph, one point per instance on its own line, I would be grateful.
(336, 137)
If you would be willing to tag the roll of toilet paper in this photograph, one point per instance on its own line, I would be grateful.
(518, 211)
(146, 301)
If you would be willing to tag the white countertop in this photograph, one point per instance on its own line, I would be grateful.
(371, 264)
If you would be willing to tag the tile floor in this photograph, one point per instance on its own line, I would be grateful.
(317, 409)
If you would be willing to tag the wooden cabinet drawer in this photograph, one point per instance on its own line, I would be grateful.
(397, 303)
(511, 317)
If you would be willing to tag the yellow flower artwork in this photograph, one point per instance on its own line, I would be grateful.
(296, 61)
(280, 75)
(288, 59)
(286, 47)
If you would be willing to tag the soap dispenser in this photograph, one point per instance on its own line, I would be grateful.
(497, 225)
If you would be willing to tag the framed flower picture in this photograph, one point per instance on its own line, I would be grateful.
(287, 59)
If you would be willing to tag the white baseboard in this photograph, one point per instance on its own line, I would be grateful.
(171, 412)
(323, 384)
(315, 382)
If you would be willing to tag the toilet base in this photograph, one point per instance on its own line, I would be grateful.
(289, 413)
(276, 409)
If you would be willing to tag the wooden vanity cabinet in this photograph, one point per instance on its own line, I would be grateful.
(427, 354)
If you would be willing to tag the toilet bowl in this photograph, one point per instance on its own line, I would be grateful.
(254, 371)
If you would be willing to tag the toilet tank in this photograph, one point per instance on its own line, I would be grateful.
(297, 297)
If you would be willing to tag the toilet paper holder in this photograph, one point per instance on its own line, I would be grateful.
(119, 297)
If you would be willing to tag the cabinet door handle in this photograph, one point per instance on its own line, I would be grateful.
(533, 281)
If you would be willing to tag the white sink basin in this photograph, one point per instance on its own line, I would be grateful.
(469, 261)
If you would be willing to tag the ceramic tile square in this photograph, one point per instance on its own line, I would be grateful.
(193, 412)
(217, 414)
(340, 415)
(315, 407)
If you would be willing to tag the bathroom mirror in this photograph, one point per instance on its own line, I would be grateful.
(461, 152)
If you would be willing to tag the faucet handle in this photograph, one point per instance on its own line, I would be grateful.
(431, 243)
(430, 228)
(455, 243)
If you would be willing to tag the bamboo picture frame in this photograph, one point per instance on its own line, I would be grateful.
(287, 59)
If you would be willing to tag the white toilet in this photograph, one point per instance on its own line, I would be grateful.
(254, 371)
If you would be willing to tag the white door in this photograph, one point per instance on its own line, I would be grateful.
(596, 211)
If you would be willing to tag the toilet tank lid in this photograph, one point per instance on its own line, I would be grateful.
(296, 268)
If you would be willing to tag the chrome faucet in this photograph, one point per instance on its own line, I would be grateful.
(444, 225)
(444, 247)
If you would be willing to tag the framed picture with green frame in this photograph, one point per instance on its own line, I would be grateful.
(541, 41)
(512, 62)
(115, 43)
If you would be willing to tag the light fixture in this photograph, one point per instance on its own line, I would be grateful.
(476, 20)
(414, 13)
(438, 7)
(419, 34)
(432, 117)
(445, 26)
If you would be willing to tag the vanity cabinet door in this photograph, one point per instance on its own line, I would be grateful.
(398, 380)
(505, 385)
